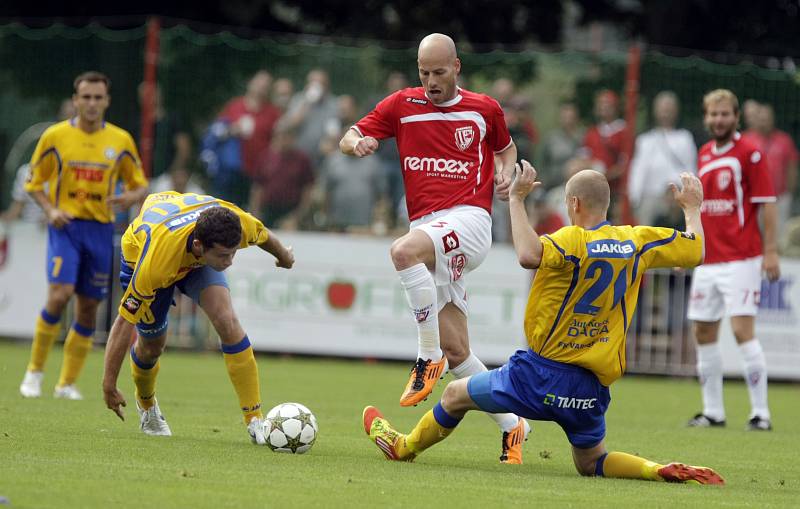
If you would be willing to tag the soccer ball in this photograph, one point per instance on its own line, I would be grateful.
(290, 427)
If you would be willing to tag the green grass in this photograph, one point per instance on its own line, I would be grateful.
(66, 454)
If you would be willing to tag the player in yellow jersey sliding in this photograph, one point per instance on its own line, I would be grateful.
(80, 160)
(580, 306)
(184, 241)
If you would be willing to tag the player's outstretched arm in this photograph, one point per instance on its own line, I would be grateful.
(353, 144)
(284, 255)
(119, 340)
(526, 240)
(690, 197)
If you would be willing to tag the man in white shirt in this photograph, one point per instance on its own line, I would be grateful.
(661, 154)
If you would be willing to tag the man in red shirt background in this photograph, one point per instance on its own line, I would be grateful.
(736, 184)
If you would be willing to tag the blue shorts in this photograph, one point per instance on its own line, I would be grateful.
(537, 388)
(154, 322)
(81, 254)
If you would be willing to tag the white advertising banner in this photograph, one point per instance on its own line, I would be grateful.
(23, 285)
(343, 297)
(776, 327)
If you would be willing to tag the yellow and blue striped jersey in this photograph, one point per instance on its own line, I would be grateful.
(82, 169)
(157, 245)
(587, 286)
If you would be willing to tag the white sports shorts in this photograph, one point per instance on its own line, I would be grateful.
(728, 288)
(461, 239)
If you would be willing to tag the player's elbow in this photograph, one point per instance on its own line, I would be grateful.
(529, 260)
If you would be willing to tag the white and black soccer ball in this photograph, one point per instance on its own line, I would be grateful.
(290, 427)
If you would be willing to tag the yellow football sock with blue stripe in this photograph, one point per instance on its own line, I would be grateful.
(144, 379)
(627, 466)
(76, 348)
(44, 335)
(243, 372)
(435, 426)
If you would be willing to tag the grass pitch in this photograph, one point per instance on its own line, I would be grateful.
(65, 454)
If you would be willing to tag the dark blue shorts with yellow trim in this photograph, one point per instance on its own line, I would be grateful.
(81, 253)
(155, 320)
(541, 389)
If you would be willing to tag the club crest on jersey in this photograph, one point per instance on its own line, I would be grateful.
(723, 179)
(110, 153)
(450, 242)
(464, 137)
(132, 304)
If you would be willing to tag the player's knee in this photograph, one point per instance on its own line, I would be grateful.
(58, 297)
(403, 254)
(149, 351)
(705, 332)
(454, 397)
(227, 326)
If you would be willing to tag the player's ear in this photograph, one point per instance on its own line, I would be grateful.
(457, 65)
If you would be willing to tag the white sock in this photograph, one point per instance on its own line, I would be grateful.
(755, 371)
(420, 289)
(473, 366)
(709, 370)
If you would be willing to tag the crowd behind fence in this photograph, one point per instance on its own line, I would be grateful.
(257, 121)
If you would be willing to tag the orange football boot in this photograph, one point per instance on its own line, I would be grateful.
(424, 376)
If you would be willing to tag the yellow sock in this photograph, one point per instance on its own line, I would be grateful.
(428, 431)
(628, 466)
(76, 348)
(44, 335)
(243, 372)
(144, 379)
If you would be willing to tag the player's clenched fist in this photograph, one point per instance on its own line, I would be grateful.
(365, 146)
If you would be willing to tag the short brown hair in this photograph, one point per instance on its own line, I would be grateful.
(218, 225)
(720, 94)
(92, 77)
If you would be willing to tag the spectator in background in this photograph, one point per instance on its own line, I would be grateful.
(604, 140)
(347, 115)
(660, 156)
(750, 114)
(782, 157)
(282, 185)
(505, 92)
(282, 92)
(179, 179)
(250, 119)
(172, 145)
(557, 196)
(22, 206)
(545, 219)
(389, 158)
(561, 145)
(310, 112)
(353, 191)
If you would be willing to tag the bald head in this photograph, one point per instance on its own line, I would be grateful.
(437, 46)
(438, 66)
(591, 189)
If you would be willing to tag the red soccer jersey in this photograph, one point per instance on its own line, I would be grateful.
(735, 181)
(446, 150)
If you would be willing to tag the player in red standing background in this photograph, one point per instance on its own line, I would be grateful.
(736, 183)
(455, 151)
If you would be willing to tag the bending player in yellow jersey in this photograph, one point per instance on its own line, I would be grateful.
(184, 241)
(80, 160)
(580, 306)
